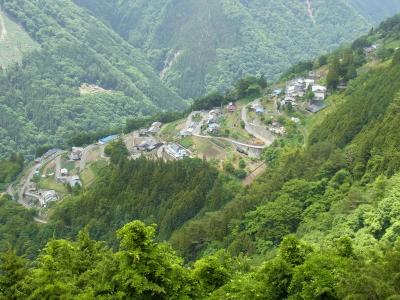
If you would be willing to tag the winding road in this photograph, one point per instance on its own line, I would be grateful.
(197, 133)
(26, 180)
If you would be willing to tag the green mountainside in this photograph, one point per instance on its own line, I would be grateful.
(42, 101)
(198, 46)
(321, 223)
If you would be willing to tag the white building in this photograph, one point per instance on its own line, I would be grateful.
(74, 180)
(319, 92)
(176, 151)
(47, 197)
(64, 172)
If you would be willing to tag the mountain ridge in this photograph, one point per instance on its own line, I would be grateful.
(248, 37)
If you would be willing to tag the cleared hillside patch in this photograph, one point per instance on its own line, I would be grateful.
(14, 41)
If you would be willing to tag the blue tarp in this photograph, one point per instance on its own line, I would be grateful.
(108, 139)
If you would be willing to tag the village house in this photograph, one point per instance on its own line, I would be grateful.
(148, 145)
(186, 132)
(319, 92)
(231, 107)
(289, 100)
(76, 153)
(258, 108)
(64, 172)
(213, 116)
(155, 128)
(143, 132)
(214, 128)
(74, 181)
(47, 196)
(176, 151)
(296, 88)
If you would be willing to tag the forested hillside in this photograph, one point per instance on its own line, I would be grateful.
(321, 223)
(158, 192)
(198, 46)
(42, 100)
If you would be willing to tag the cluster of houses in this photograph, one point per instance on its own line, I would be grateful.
(72, 180)
(213, 120)
(299, 87)
(176, 151)
(42, 197)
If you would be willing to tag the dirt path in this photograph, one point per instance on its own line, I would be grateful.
(254, 174)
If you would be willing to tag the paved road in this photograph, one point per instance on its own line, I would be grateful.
(258, 131)
(25, 181)
(197, 132)
(231, 141)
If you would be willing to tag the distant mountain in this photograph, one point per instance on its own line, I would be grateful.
(376, 11)
(201, 45)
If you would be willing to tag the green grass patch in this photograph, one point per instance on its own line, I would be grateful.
(69, 165)
(187, 142)
(89, 175)
(170, 130)
(51, 184)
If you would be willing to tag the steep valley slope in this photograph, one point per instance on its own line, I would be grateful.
(220, 41)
